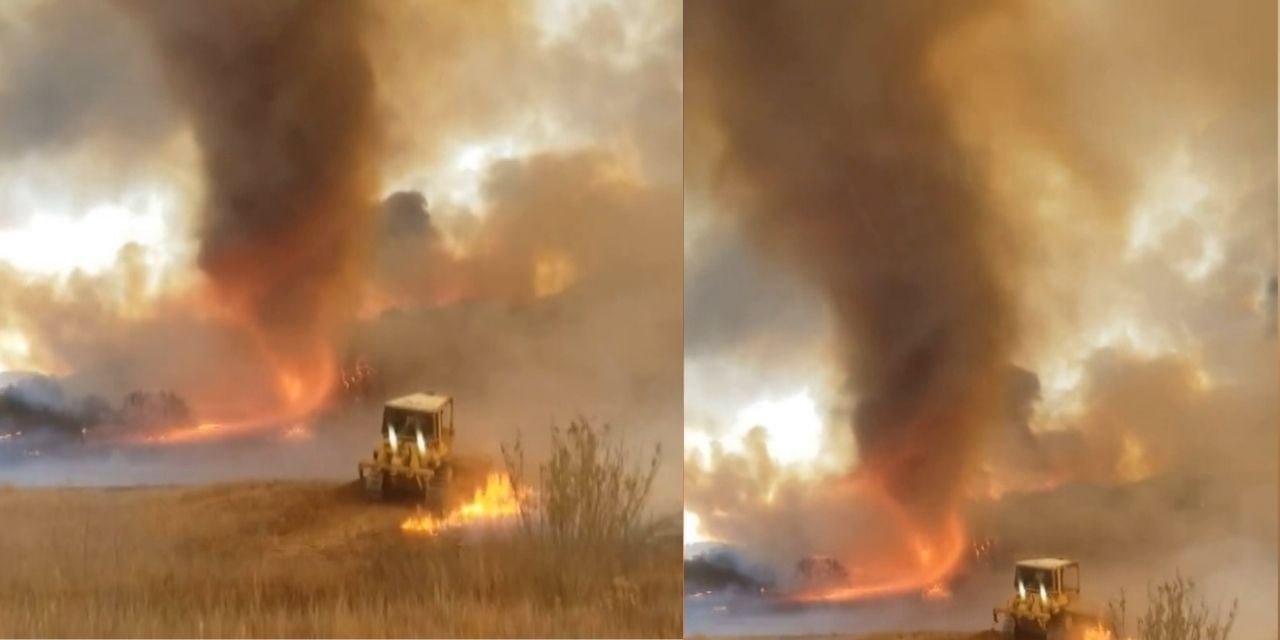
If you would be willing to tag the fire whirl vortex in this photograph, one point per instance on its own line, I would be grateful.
(281, 97)
(862, 187)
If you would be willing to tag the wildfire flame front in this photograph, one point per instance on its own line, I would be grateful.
(499, 499)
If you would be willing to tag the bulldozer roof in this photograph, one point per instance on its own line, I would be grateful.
(1046, 563)
(428, 402)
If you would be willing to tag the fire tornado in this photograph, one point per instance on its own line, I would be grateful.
(281, 101)
(835, 156)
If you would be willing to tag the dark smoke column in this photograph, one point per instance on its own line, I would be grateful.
(822, 136)
(281, 97)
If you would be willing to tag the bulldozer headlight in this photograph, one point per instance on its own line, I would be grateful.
(391, 439)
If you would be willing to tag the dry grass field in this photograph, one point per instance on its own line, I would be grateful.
(310, 560)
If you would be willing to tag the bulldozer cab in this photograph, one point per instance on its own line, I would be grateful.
(423, 419)
(415, 448)
(1050, 576)
(1046, 602)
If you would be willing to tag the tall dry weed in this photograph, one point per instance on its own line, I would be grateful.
(589, 492)
(1174, 612)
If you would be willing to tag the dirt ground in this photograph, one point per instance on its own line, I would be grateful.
(307, 560)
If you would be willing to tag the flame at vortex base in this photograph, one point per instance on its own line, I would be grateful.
(298, 390)
(913, 557)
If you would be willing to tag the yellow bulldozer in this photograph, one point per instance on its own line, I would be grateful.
(415, 451)
(1046, 602)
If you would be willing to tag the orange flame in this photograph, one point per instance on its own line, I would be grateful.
(1134, 464)
(553, 273)
(299, 397)
(1099, 632)
(924, 566)
(292, 386)
(498, 499)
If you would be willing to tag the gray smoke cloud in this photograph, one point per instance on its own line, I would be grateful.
(69, 73)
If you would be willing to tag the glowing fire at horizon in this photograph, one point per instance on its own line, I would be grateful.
(693, 532)
(553, 273)
(792, 427)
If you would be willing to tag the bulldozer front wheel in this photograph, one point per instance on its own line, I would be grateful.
(374, 485)
(1058, 629)
(443, 476)
(1008, 630)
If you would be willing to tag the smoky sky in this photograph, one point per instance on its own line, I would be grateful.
(70, 72)
(732, 299)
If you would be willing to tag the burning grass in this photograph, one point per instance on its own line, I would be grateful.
(495, 501)
(314, 560)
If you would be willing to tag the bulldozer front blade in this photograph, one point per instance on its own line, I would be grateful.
(374, 484)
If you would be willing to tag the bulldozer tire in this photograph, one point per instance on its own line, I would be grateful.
(1008, 630)
(374, 485)
(1057, 630)
(443, 476)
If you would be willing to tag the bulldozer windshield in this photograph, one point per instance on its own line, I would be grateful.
(1031, 578)
(407, 424)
